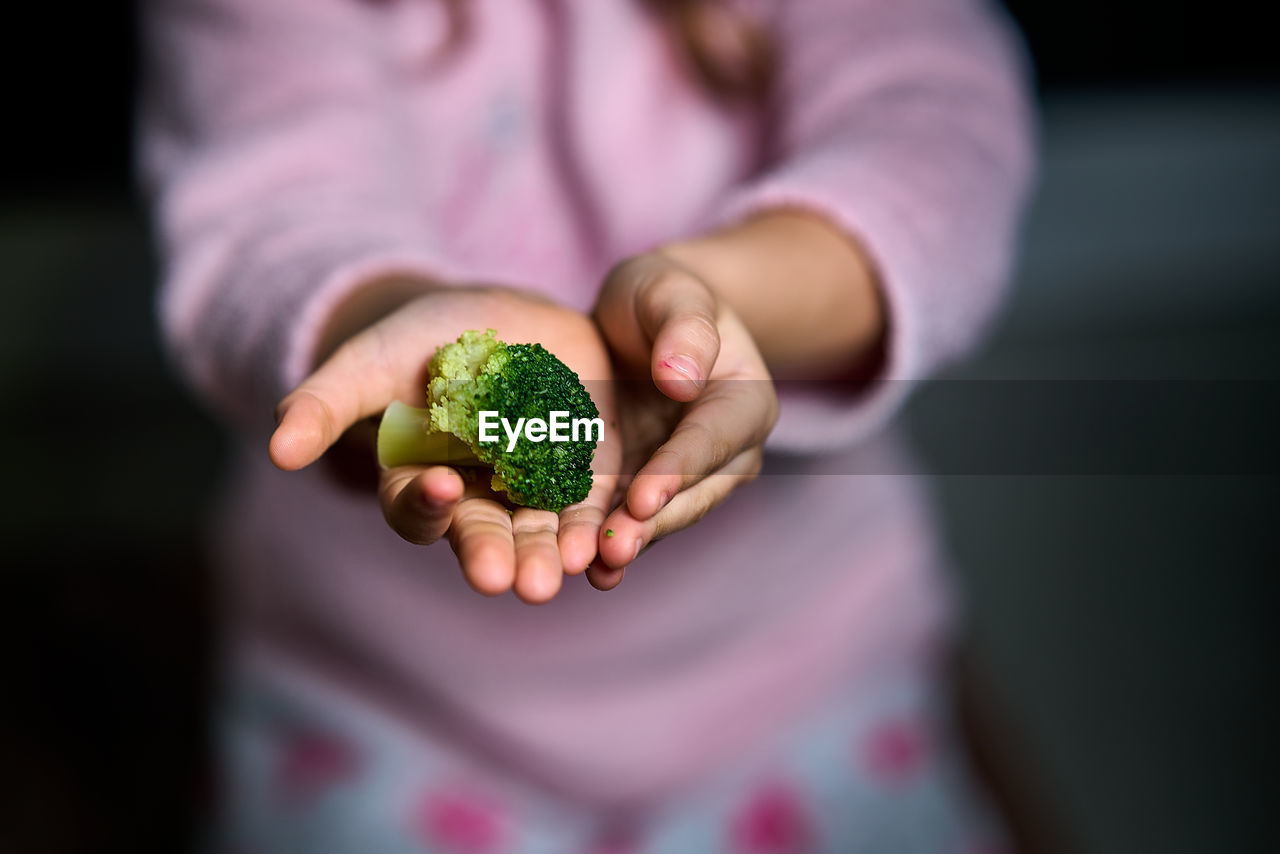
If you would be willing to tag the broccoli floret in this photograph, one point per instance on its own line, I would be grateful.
(479, 373)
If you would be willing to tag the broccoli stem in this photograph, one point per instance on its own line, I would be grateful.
(405, 436)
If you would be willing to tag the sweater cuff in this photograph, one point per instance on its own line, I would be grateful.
(302, 340)
(244, 318)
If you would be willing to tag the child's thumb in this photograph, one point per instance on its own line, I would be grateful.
(653, 307)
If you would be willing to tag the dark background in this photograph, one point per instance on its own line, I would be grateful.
(1122, 590)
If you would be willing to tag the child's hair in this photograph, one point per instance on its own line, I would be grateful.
(731, 55)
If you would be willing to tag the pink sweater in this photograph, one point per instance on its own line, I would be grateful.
(298, 147)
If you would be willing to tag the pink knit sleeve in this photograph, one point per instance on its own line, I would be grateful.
(908, 125)
(273, 144)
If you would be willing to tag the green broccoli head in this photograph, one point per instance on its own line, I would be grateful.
(520, 384)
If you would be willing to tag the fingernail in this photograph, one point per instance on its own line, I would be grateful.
(639, 545)
(663, 498)
(684, 365)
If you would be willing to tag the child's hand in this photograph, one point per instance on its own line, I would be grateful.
(528, 550)
(697, 430)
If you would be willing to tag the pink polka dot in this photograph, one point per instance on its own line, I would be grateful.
(773, 821)
(460, 822)
(895, 751)
(310, 761)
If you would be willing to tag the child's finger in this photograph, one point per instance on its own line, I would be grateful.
(481, 538)
(352, 384)
(580, 526)
(604, 577)
(538, 569)
(418, 501)
(691, 505)
(654, 312)
(632, 535)
(678, 313)
(580, 523)
(731, 416)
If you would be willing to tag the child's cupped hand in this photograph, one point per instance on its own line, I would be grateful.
(695, 398)
(527, 550)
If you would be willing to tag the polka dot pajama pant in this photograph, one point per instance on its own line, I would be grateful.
(876, 771)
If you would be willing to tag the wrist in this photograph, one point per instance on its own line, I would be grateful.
(805, 289)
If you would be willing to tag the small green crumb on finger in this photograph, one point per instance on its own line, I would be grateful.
(608, 532)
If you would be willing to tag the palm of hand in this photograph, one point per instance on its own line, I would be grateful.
(498, 549)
